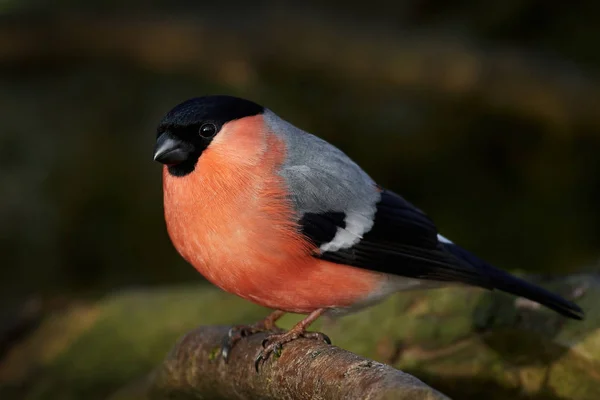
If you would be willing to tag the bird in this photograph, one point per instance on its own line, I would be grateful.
(284, 219)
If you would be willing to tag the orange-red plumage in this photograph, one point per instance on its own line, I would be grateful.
(282, 218)
(232, 220)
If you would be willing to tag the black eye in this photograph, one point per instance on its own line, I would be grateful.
(208, 130)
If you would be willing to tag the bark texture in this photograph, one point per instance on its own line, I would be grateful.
(464, 342)
(306, 369)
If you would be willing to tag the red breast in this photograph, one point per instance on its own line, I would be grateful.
(232, 220)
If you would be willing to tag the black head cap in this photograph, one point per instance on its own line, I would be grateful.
(187, 130)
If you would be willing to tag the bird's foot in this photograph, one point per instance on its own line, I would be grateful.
(236, 333)
(274, 343)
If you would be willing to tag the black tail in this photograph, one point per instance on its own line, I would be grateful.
(506, 282)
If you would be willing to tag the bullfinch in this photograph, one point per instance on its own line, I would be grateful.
(282, 218)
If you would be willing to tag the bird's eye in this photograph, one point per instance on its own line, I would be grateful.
(208, 130)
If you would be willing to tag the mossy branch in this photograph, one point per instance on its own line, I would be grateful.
(468, 343)
(306, 369)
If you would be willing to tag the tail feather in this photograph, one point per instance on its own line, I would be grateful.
(506, 282)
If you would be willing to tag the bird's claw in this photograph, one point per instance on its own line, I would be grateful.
(233, 336)
(274, 344)
(266, 352)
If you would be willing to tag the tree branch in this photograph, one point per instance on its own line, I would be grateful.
(468, 343)
(306, 369)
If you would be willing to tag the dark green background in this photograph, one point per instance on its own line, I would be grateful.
(486, 116)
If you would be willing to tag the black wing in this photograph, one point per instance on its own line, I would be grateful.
(403, 241)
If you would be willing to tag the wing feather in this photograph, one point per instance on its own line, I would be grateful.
(404, 241)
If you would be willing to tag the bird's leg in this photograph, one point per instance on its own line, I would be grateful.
(239, 331)
(275, 342)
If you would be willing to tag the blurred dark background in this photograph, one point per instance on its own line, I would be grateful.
(485, 115)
